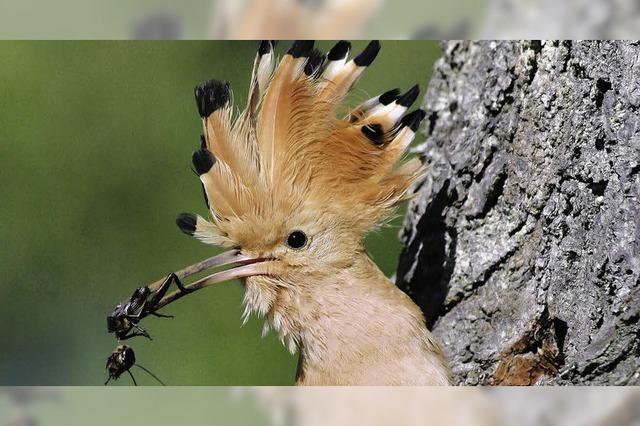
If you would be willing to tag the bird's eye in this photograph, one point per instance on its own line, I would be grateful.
(296, 240)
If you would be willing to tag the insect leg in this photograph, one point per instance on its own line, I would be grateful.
(132, 378)
(129, 336)
(151, 374)
(142, 332)
(155, 314)
(158, 295)
(179, 284)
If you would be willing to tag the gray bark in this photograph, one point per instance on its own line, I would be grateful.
(568, 19)
(522, 244)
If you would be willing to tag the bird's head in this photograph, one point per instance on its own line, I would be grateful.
(291, 184)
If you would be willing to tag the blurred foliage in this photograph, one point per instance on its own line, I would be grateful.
(116, 19)
(99, 406)
(95, 145)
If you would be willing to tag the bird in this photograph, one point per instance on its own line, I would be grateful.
(293, 185)
(383, 406)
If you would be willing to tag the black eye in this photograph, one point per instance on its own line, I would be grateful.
(296, 239)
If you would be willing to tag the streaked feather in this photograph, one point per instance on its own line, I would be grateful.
(288, 150)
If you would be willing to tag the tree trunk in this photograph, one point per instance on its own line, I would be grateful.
(522, 244)
(577, 19)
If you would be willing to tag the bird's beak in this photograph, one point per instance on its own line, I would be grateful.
(245, 266)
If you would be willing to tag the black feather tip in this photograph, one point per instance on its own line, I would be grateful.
(314, 63)
(211, 95)
(340, 51)
(266, 46)
(389, 96)
(187, 223)
(301, 48)
(203, 160)
(413, 119)
(374, 132)
(409, 97)
(369, 53)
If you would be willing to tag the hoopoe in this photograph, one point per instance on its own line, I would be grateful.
(293, 189)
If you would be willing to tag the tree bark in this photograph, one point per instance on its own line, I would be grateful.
(522, 244)
(575, 19)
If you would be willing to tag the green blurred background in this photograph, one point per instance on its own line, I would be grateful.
(100, 406)
(95, 146)
(117, 19)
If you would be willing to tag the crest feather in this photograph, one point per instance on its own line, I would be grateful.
(288, 150)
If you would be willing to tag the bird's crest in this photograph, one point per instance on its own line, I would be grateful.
(289, 152)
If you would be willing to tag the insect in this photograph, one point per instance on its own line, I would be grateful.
(124, 319)
(121, 360)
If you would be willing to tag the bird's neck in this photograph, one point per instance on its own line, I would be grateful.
(357, 328)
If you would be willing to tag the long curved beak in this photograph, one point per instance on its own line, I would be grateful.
(245, 266)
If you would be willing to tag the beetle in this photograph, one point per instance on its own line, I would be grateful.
(122, 359)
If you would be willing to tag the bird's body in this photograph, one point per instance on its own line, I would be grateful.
(295, 189)
(361, 329)
(286, 19)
